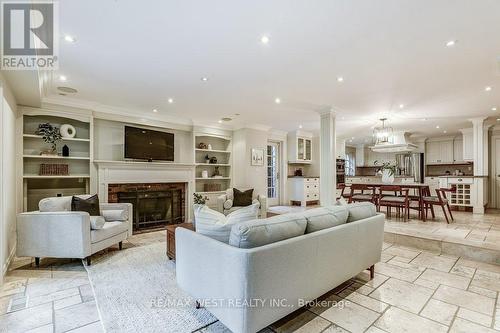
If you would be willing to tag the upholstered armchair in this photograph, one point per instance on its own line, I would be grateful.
(57, 232)
(225, 203)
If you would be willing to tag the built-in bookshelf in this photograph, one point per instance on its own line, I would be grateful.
(37, 184)
(207, 182)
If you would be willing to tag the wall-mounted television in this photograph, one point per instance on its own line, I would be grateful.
(145, 144)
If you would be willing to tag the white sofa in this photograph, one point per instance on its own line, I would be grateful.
(225, 203)
(57, 232)
(294, 270)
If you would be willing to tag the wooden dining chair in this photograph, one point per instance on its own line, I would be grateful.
(440, 200)
(346, 192)
(394, 196)
(358, 193)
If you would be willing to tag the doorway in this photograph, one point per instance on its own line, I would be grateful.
(495, 172)
(273, 173)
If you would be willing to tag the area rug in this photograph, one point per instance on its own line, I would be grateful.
(136, 291)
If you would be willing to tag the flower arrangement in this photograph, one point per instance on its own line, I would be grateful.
(50, 134)
(391, 169)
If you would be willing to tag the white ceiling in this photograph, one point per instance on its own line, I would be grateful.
(137, 54)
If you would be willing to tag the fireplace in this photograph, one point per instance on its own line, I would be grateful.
(156, 205)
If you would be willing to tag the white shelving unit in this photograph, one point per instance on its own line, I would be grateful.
(221, 149)
(36, 186)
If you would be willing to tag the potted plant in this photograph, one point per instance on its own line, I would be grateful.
(388, 172)
(198, 202)
(51, 135)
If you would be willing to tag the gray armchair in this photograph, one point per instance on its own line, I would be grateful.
(225, 203)
(57, 232)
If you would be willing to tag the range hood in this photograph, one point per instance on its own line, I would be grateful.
(400, 143)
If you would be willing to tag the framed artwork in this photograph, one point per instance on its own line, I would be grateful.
(258, 156)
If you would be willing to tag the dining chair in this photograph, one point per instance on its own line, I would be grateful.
(345, 193)
(394, 196)
(440, 200)
(356, 196)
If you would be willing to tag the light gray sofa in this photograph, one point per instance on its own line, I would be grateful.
(225, 203)
(290, 271)
(56, 232)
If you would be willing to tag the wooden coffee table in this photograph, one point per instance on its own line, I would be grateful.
(171, 237)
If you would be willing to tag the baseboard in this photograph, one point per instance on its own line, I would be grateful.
(6, 265)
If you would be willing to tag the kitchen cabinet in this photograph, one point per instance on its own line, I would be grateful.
(468, 144)
(458, 150)
(433, 183)
(300, 147)
(340, 149)
(439, 151)
(303, 190)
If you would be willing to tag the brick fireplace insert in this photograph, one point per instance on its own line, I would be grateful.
(156, 205)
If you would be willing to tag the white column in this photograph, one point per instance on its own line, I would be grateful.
(480, 146)
(480, 153)
(328, 165)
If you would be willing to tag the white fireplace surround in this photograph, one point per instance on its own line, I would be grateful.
(126, 172)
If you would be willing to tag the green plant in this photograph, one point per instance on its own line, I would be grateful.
(199, 199)
(387, 166)
(50, 134)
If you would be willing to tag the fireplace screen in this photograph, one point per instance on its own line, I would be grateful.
(155, 205)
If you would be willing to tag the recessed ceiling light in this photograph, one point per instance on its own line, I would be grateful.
(493, 108)
(444, 132)
(300, 126)
(220, 121)
(204, 79)
(170, 100)
(401, 106)
(451, 43)
(437, 126)
(498, 119)
(340, 79)
(63, 78)
(264, 39)
(277, 100)
(69, 38)
(488, 88)
(155, 110)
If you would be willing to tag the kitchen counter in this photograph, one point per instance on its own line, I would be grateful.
(303, 176)
(452, 176)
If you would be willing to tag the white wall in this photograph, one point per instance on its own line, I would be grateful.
(8, 204)
(109, 141)
(245, 175)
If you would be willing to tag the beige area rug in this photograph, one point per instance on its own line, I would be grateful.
(136, 291)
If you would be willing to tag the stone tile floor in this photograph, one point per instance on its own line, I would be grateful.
(413, 291)
(56, 297)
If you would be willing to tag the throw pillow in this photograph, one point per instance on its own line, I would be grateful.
(97, 222)
(111, 215)
(89, 205)
(242, 198)
(216, 225)
(228, 204)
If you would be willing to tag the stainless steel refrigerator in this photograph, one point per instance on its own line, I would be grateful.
(411, 165)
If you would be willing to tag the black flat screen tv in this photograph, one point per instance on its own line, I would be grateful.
(144, 144)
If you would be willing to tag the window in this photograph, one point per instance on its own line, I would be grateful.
(350, 164)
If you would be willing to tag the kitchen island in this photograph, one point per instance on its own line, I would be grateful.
(472, 191)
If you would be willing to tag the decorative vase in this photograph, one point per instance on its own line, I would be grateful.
(67, 131)
(209, 146)
(65, 151)
(387, 177)
(204, 174)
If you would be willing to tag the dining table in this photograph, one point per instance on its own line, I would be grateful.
(420, 189)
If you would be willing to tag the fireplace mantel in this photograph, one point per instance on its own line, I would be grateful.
(125, 172)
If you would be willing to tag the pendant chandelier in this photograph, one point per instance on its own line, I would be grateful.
(383, 135)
